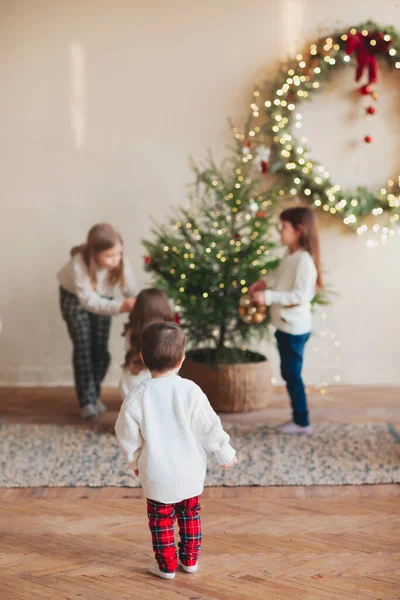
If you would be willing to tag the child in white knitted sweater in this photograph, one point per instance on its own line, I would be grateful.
(165, 426)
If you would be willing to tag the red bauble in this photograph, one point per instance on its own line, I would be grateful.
(264, 166)
(248, 144)
(261, 214)
(177, 319)
(371, 110)
(368, 139)
(147, 259)
(365, 90)
(238, 236)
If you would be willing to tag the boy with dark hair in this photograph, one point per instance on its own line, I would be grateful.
(165, 426)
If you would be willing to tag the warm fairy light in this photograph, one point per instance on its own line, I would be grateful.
(392, 52)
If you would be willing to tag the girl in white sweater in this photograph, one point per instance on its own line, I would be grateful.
(151, 306)
(165, 426)
(88, 283)
(289, 292)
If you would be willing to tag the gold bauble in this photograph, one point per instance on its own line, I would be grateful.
(249, 312)
(259, 318)
(246, 300)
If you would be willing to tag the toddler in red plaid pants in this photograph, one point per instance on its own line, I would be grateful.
(166, 426)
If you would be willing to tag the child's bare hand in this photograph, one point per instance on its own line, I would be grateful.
(232, 464)
(259, 298)
(257, 286)
(127, 305)
(136, 471)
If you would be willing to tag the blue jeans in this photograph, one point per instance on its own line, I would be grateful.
(291, 350)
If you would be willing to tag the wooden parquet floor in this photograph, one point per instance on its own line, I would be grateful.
(321, 543)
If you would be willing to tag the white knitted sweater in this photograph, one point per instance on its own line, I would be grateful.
(290, 291)
(165, 426)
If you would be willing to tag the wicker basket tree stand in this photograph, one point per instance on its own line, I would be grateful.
(240, 387)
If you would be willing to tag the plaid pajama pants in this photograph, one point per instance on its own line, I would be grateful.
(161, 523)
(89, 334)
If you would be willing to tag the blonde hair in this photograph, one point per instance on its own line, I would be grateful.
(101, 237)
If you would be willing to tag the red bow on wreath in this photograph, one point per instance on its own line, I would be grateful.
(367, 47)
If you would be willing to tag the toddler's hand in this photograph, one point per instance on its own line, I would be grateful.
(234, 462)
(257, 286)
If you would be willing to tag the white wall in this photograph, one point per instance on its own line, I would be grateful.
(102, 102)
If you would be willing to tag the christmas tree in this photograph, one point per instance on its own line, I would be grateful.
(207, 256)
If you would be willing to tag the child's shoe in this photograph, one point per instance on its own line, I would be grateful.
(294, 429)
(100, 407)
(154, 570)
(191, 569)
(88, 412)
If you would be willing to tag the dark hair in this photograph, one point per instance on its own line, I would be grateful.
(163, 345)
(151, 306)
(101, 237)
(303, 219)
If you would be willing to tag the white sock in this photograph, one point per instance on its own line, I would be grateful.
(154, 570)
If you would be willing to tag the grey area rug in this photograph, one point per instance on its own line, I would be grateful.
(335, 454)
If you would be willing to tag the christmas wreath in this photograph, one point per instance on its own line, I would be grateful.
(289, 157)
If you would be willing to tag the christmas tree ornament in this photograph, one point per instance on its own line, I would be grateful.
(368, 139)
(261, 158)
(261, 214)
(365, 90)
(375, 95)
(254, 206)
(371, 110)
(249, 312)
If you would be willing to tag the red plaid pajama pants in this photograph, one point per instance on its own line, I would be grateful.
(161, 522)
